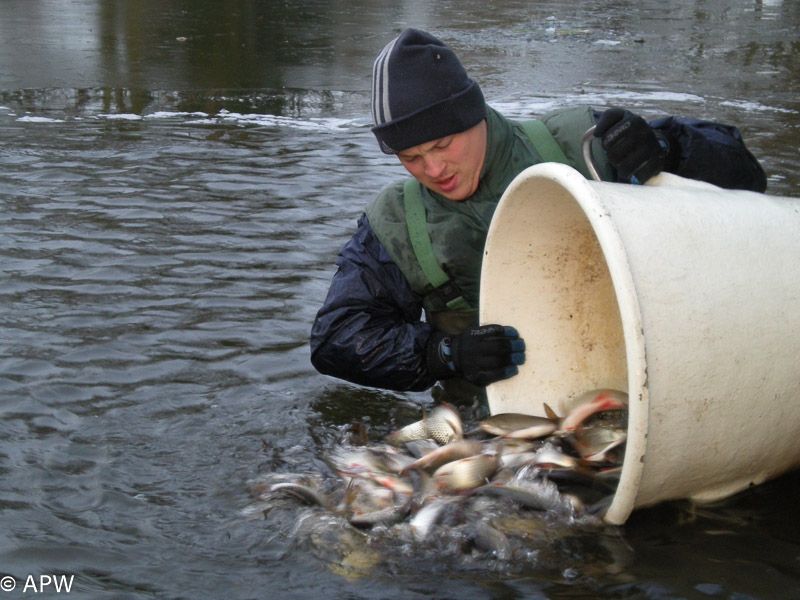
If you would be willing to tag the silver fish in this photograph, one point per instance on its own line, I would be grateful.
(516, 460)
(396, 484)
(538, 496)
(419, 448)
(508, 446)
(593, 402)
(426, 517)
(606, 453)
(449, 415)
(393, 513)
(365, 495)
(386, 516)
(550, 457)
(465, 473)
(354, 463)
(302, 492)
(592, 439)
(443, 425)
(514, 424)
(447, 453)
(487, 538)
(533, 432)
(390, 459)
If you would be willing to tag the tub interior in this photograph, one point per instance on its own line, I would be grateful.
(544, 272)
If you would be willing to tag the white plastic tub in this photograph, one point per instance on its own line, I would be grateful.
(684, 295)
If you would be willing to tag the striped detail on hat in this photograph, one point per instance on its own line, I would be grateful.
(381, 112)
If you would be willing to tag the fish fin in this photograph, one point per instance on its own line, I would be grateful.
(551, 414)
(498, 449)
(350, 493)
(453, 418)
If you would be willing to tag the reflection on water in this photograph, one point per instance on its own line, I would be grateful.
(170, 213)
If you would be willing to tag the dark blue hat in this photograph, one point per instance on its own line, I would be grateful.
(421, 92)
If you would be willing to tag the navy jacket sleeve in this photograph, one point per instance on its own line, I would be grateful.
(710, 152)
(369, 331)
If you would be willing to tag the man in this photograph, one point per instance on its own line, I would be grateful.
(419, 245)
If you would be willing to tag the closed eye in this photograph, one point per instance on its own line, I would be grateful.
(444, 143)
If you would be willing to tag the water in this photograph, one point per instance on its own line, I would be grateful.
(175, 181)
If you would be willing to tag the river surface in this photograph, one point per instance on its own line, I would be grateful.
(175, 180)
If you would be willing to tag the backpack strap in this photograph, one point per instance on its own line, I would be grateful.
(423, 249)
(547, 147)
(544, 142)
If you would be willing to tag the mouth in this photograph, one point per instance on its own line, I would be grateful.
(446, 184)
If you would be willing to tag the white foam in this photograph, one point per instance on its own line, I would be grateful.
(121, 117)
(265, 120)
(756, 106)
(31, 119)
(517, 107)
(164, 114)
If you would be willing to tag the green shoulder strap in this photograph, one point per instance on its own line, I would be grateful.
(544, 142)
(547, 147)
(421, 243)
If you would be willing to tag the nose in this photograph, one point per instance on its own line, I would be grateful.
(434, 166)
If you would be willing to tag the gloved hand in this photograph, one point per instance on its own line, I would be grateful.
(632, 147)
(481, 354)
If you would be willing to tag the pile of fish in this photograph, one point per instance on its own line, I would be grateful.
(433, 475)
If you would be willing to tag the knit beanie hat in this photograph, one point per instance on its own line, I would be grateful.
(421, 92)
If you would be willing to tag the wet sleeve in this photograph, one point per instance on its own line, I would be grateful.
(710, 152)
(368, 330)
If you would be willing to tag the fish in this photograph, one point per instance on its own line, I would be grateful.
(489, 539)
(585, 486)
(430, 475)
(601, 437)
(300, 491)
(390, 459)
(443, 425)
(607, 454)
(534, 431)
(513, 424)
(366, 495)
(388, 515)
(569, 478)
(539, 496)
(550, 457)
(428, 516)
(593, 402)
(506, 446)
(421, 447)
(385, 516)
(397, 484)
(448, 413)
(447, 453)
(589, 441)
(413, 431)
(353, 462)
(517, 460)
(465, 473)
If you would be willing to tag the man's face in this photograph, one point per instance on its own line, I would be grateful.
(450, 166)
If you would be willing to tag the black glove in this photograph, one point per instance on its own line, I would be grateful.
(631, 145)
(481, 354)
